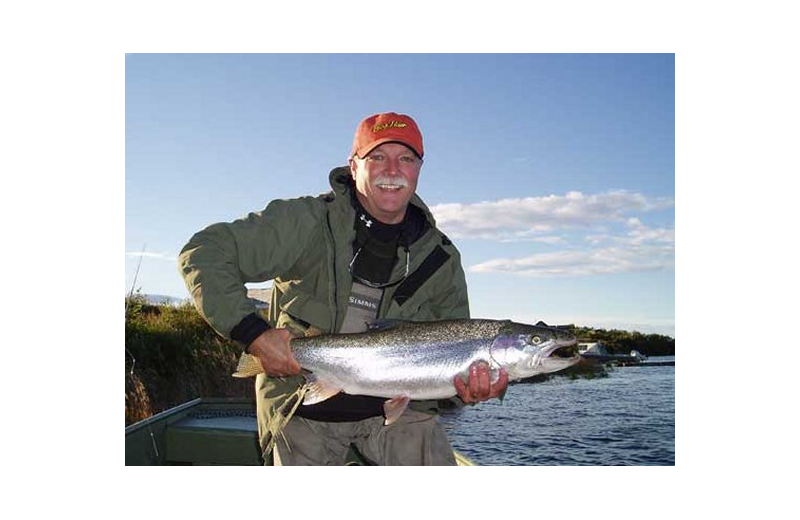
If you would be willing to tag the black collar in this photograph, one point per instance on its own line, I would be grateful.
(407, 232)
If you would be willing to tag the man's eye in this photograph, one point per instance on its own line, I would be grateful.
(407, 158)
(375, 157)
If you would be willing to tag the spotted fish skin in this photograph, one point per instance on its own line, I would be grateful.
(419, 360)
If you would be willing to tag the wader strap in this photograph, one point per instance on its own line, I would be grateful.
(415, 280)
(362, 308)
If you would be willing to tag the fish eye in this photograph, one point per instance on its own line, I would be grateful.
(536, 340)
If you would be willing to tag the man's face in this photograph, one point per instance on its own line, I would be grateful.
(385, 180)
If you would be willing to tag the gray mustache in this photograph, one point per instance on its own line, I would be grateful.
(390, 181)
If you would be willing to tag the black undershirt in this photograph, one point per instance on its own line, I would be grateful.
(378, 243)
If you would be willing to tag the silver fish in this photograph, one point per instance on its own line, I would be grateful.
(418, 360)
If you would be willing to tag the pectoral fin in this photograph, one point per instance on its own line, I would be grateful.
(502, 394)
(319, 390)
(394, 408)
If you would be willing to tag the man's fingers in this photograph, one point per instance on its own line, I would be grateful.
(274, 351)
(484, 385)
(479, 386)
(501, 384)
(474, 390)
(461, 389)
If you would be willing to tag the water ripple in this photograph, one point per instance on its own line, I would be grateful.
(627, 418)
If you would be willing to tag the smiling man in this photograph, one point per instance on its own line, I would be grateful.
(386, 171)
(367, 250)
(385, 180)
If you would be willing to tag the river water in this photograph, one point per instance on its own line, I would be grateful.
(627, 418)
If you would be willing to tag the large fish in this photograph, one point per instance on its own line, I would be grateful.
(418, 360)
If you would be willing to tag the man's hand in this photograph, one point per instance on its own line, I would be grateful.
(479, 387)
(272, 349)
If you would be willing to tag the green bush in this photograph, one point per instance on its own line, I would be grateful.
(173, 356)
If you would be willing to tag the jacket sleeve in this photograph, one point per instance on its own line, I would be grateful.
(219, 260)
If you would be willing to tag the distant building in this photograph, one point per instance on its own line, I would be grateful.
(594, 348)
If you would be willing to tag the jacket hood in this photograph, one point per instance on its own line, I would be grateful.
(342, 184)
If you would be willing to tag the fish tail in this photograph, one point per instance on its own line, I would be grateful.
(248, 366)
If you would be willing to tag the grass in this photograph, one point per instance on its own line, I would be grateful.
(173, 356)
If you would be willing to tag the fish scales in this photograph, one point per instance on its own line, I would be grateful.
(417, 360)
(420, 360)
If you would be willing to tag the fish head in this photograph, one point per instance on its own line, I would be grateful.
(528, 350)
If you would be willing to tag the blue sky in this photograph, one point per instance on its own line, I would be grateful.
(553, 174)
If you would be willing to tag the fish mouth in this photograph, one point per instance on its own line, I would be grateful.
(563, 351)
(563, 348)
(567, 351)
(561, 355)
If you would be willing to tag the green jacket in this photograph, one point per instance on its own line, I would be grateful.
(305, 245)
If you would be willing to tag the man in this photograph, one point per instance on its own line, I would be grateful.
(369, 249)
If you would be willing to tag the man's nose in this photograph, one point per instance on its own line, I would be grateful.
(393, 166)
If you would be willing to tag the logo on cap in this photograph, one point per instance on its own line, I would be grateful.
(390, 124)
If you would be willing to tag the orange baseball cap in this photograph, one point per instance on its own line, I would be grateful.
(383, 128)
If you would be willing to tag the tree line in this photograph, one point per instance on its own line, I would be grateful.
(622, 341)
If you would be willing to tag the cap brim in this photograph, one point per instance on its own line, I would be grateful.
(365, 150)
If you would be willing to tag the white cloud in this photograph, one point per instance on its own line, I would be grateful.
(617, 242)
(639, 233)
(641, 249)
(529, 236)
(159, 256)
(585, 262)
(505, 218)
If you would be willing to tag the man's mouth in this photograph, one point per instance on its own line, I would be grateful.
(391, 187)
